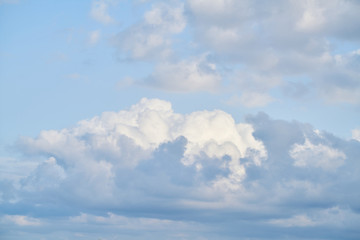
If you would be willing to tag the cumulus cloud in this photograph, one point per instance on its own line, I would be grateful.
(320, 156)
(152, 167)
(124, 140)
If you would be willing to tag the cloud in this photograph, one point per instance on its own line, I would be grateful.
(47, 175)
(99, 11)
(320, 155)
(260, 48)
(151, 38)
(131, 223)
(341, 83)
(134, 156)
(254, 88)
(94, 37)
(283, 39)
(334, 216)
(148, 167)
(21, 220)
(356, 134)
(196, 74)
(166, 18)
(124, 140)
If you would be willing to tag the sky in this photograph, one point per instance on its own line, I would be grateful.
(188, 120)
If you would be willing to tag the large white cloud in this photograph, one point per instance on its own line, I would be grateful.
(96, 150)
(174, 169)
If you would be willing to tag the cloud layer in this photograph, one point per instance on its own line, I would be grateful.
(138, 167)
(260, 47)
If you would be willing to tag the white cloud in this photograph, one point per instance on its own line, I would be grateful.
(262, 46)
(204, 152)
(186, 76)
(295, 221)
(99, 11)
(97, 148)
(356, 134)
(151, 38)
(283, 39)
(335, 217)
(160, 169)
(220, 12)
(312, 17)
(166, 18)
(322, 156)
(21, 220)
(134, 223)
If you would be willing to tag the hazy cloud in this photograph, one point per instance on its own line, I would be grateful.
(99, 11)
(21, 220)
(197, 74)
(151, 38)
(94, 37)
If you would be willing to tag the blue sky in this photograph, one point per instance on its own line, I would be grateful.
(178, 119)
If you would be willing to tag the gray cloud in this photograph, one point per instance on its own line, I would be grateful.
(283, 38)
(268, 46)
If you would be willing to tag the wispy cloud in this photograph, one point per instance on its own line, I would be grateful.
(94, 37)
(21, 220)
(99, 11)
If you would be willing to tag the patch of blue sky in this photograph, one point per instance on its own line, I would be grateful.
(342, 46)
